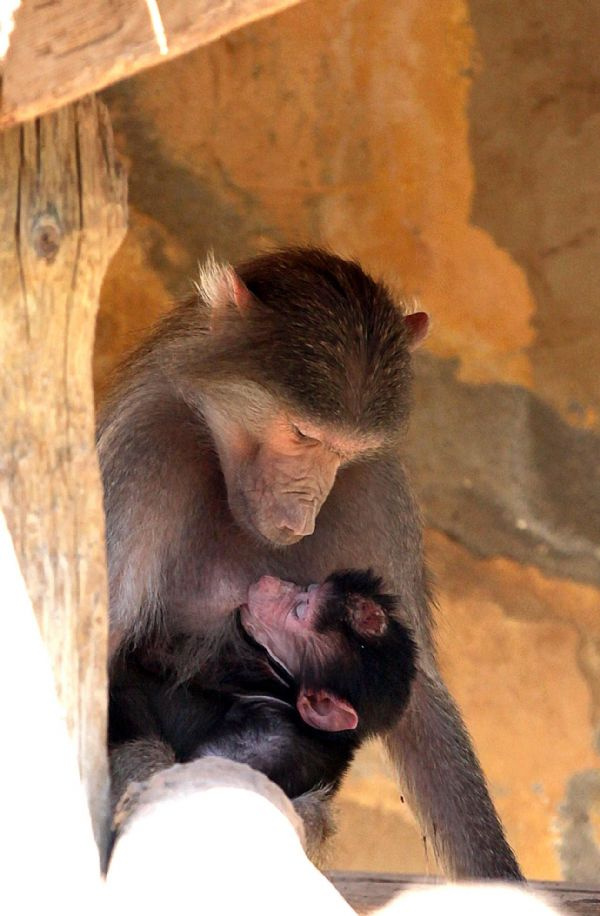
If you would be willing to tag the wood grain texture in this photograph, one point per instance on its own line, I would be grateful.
(62, 216)
(366, 892)
(61, 49)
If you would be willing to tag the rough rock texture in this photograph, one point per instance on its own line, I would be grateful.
(535, 139)
(453, 148)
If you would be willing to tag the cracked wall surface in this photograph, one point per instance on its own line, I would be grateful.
(454, 148)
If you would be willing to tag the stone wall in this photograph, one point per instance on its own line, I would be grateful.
(454, 148)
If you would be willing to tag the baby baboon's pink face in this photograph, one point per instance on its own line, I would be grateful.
(281, 617)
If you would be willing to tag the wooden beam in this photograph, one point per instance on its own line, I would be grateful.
(213, 836)
(366, 893)
(62, 216)
(61, 49)
(50, 861)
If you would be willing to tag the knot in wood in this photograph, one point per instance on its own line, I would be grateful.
(46, 237)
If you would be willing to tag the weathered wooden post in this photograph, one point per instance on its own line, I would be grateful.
(62, 216)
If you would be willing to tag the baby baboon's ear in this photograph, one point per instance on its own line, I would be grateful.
(323, 710)
(367, 618)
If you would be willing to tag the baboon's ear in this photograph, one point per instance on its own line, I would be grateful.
(417, 326)
(323, 710)
(222, 288)
(367, 618)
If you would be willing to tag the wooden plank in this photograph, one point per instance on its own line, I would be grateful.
(61, 49)
(62, 216)
(366, 892)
